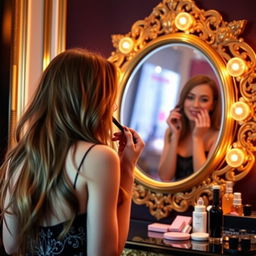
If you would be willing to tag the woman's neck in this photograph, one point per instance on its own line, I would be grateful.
(191, 125)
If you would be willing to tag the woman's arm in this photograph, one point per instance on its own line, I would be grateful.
(109, 201)
(198, 151)
(130, 148)
(202, 127)
(168, 160)
(103, 174)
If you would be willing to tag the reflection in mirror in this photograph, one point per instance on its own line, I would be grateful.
(152, 91)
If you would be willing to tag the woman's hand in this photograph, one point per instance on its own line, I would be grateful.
(202, 124)
(130, 146)
(174, 121)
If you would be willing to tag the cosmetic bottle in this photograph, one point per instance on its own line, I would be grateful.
(215, 217)
(247, 209)
(237, 204)
(227, 199)
(244, 239)
(199, 217)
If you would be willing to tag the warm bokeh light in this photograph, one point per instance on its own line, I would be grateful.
(236, 66)
(235, 157)
(239, 111)
(183, 21)
(6, 26)
(125, 45)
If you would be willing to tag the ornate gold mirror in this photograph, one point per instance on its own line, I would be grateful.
(177, 40)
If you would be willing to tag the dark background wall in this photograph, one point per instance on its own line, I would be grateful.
(90, 25)
(5, 56)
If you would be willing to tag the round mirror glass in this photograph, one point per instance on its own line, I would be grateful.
(153, 90)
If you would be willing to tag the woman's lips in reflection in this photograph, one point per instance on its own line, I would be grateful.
(194, 113)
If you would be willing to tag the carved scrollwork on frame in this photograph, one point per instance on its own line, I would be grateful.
(220, 41)
(160, 204)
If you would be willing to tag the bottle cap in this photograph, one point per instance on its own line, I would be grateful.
(200, 207)
(215, 187)
(229, 186)
(237, 198)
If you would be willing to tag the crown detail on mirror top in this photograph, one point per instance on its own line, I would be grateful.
(212, 33)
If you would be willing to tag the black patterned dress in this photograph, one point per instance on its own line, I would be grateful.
(72, 244)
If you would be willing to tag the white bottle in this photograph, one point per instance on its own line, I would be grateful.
(199, 217)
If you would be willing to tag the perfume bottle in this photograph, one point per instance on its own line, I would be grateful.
(227, 199)
(199, 217)
(237, 204)
(215, 217)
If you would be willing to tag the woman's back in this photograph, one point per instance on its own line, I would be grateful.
(74, 242)
(76, 157)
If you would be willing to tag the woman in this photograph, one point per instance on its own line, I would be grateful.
(64, 190)
(193, 129)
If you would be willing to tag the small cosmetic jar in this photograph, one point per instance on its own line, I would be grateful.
(200, 236)
(233, 242)
(177, 236)
(247, 208)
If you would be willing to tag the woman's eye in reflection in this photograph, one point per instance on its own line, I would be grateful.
(204, 99)
(190, 97)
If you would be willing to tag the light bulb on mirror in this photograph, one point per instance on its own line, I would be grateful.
(236, 66)
(125, 45)
(183, 21)
(239, 111)
(235, 157)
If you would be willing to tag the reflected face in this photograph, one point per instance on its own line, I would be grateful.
(200, 97)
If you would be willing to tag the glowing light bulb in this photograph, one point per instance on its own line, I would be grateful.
(236, 66)
(239, 111)
(235, 157)
(183, 21)
(125, 45)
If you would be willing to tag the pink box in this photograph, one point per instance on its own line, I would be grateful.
(158, 227)
(179, 223)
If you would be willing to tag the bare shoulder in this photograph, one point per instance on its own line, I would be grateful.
(101, 160)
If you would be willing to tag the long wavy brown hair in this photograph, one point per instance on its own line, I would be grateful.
(214, 115)
(73, 102)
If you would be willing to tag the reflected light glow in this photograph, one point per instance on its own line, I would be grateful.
(158, 144)
(158, 69)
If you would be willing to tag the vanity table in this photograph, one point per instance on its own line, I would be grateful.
(141, 242)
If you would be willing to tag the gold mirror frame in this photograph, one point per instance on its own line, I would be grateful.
(219, 41)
